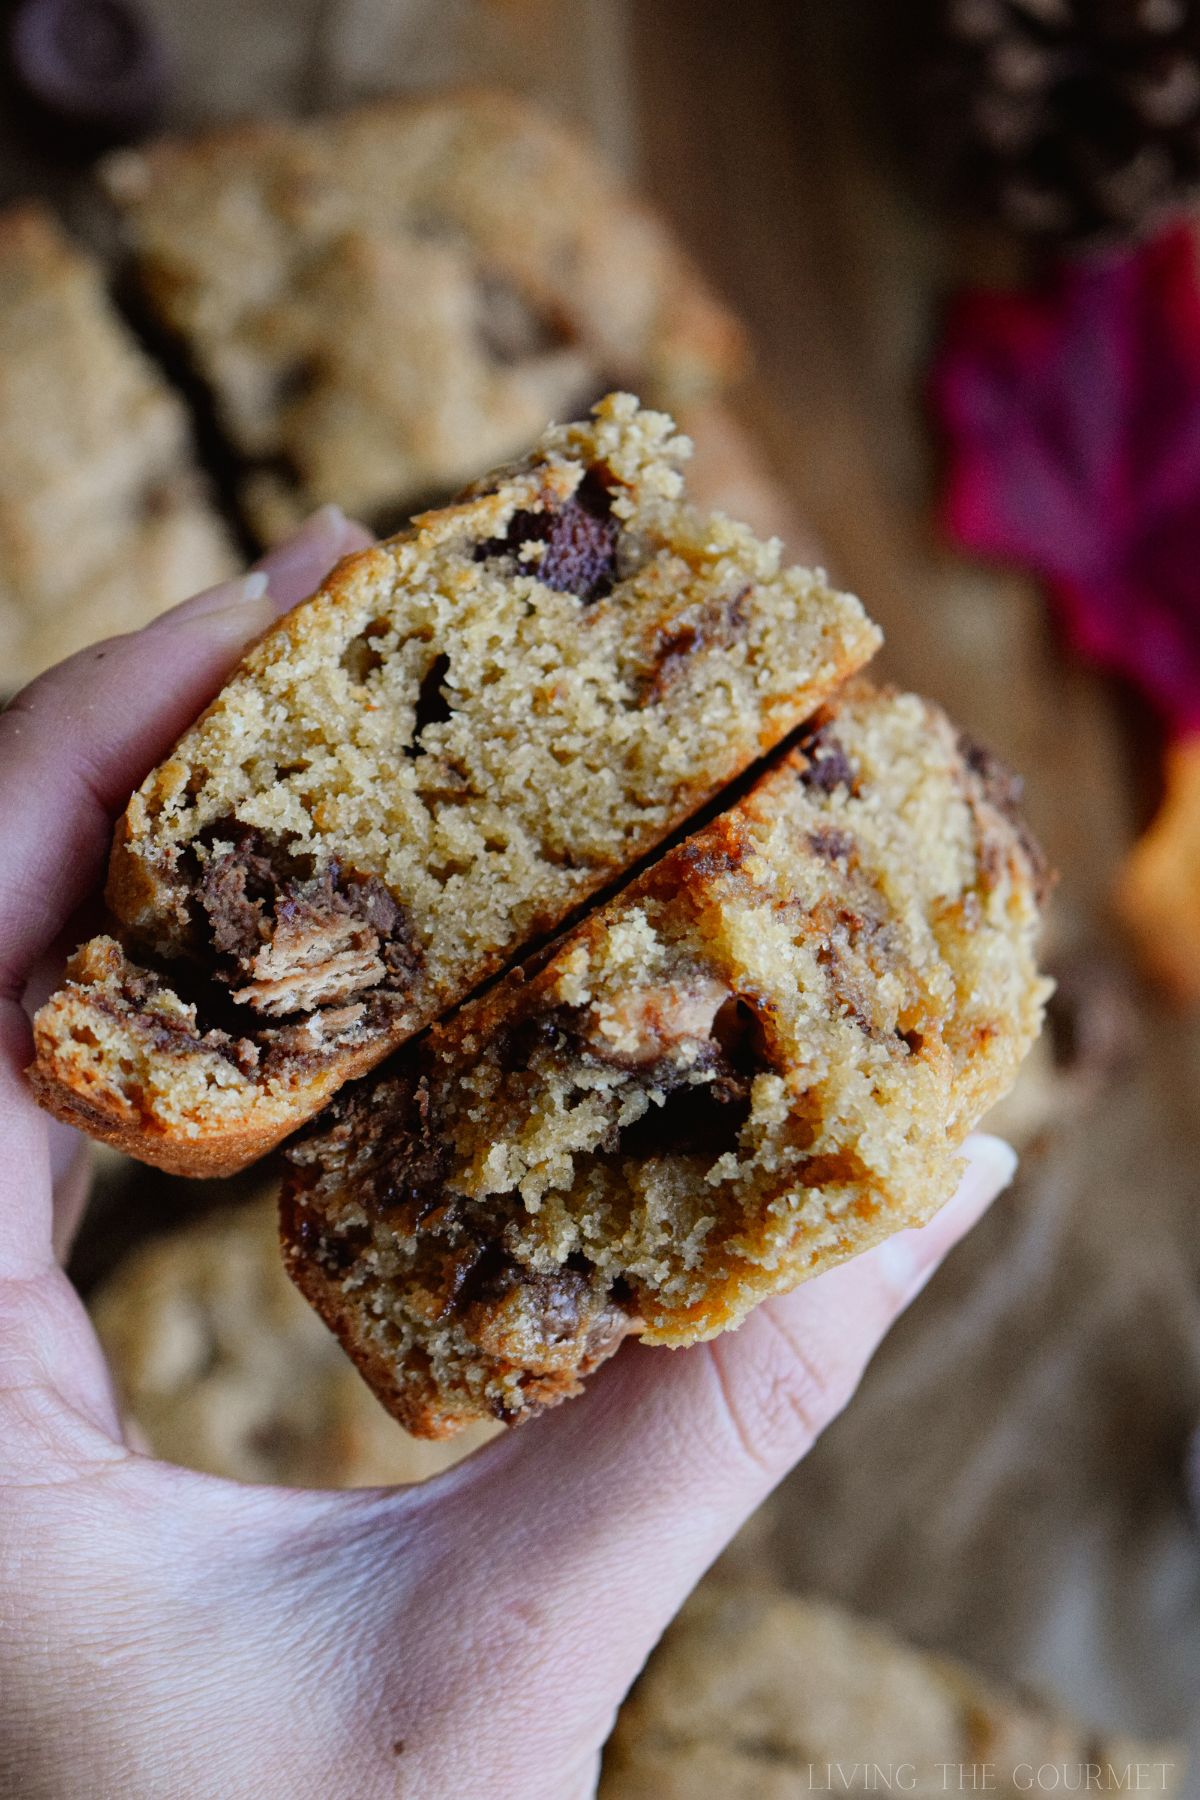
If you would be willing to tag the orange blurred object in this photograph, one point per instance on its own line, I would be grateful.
(1158, 893)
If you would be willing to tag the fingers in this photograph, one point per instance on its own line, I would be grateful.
(71, 1171)
(76, 742)
(610, 1509)
(72, 747)
(298, 565)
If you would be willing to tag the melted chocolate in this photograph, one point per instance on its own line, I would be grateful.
(580, 539)
(246, 892)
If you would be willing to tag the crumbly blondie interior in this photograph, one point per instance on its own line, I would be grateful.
(758, 1059)
(469, 730)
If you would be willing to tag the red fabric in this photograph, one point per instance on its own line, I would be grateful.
(1072, 424)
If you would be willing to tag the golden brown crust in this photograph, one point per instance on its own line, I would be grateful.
(217, 1149)
(56, 1088)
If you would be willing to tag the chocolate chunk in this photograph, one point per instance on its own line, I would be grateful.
(580, 539)
(371, 900)
(560, 1302)
(607, 1332)
(673, 650)
(537, 1031)
(831, 844)
(847, 982)
(557, 1299)
(716, 625)
(98, 69)
(828, 765)
(293, 934)
(334, 1252)
(409, 1171)
(235, 890)
(483, 1276)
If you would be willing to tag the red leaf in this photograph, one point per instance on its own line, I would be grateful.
(1072, 420)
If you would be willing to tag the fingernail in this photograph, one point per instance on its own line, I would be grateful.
(245, 620)
(296, 568)
(911, 1257)
(990, 1161)
(227, 595)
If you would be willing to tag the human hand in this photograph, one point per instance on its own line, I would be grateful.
(167, 1633)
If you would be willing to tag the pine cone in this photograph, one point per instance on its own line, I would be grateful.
(1067, 119)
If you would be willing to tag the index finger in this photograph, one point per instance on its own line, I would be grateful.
(75, 743)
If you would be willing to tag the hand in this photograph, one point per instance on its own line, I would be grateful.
(167, 1633)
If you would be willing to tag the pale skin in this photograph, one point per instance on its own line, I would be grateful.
(167, 1633)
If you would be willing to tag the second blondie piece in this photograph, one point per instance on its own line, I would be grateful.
(757, 1060)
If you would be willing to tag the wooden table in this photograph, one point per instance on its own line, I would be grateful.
(1008, 1484)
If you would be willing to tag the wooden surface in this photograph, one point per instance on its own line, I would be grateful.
(1009, 1483)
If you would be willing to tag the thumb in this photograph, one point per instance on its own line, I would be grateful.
(76, 742)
